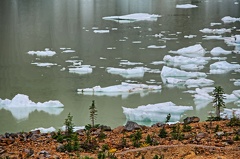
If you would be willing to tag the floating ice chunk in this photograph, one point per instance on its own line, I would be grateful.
(155, 112)
(46, 64)
(174, 81)
(156, 47)
(213, 24)
(218, 50)
(199, 82)
(234, 40)
(20, 106)
(191, 51)
(190, 36)
(223, 66)
(47, 52)
(126, 62)
(129, 72)
(45, 130)
(228, 19)
(181, 60)
(133, 17)
(101, 31)
(213, 37)
(68, 51)
(75, 128)
(228, 113)
(174, 72)
(157, 62)
(236, 93)
(186, 6)
(123, 89)
(237, 82)
(215, 31)
(81, 70)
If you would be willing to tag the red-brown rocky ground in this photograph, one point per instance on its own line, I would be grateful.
(202, 141)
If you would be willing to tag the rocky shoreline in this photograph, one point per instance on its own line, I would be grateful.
(217, 139)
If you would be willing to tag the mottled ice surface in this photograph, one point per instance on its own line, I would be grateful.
(21, 106)
(44, 64)
(215, 31)
(155, 112)
(222, 67)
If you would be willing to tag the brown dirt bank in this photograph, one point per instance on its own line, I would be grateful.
(201, 141)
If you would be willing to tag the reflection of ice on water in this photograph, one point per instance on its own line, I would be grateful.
(20, 106)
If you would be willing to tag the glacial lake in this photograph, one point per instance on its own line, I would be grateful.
(79, 34)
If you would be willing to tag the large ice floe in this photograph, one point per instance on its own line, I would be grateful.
(155, 112)
(186, 6)
(191, 51)
(124, 89)
(228, 19)
(136, 72)
(174, 72)
(221, 67)
(182, 60)
(218, 51)
(215, 31)
(47, 52)
(21, 106)
(133, 17)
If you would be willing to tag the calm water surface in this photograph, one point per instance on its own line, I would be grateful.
(35, 25)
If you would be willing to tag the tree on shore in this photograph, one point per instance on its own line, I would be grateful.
(218, 102)
(93, 113)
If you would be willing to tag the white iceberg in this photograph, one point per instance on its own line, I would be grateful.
(191, 51)
(156, 47)
(136, 72)
(126, 62)
(215, 31)
(233, 40)
(133, 17)
(101, 31)
(81, 70)
(228, 113)
(44, 64)
(45, 130)
(68, 51)
(228, 19)
(155, 112)
(47, 52)
(190, 36)
(182, 60)
(174, 72)
(213, 37)
(218, 50)
(222, 67)
(21, 106)
(123, 89)
(186, 6)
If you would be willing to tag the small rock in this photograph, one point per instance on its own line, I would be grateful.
(44, 153)
(220, 133)
(36, 132)
(105, 128)
(29, 152)
(60, 148)
(192, 119)
(131, 126)
(80, 132)
(159, 124)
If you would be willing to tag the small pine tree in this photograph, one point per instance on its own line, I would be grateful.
(69, 125)
(93, 113)
(218, 100)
